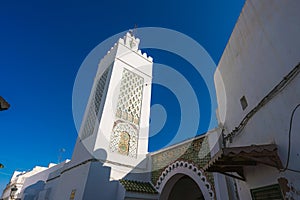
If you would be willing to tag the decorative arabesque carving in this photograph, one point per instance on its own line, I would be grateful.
(128, 114)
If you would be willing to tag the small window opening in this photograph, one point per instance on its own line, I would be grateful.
(244, 102)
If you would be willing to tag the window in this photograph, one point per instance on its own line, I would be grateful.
(244, 103)
(268, 192)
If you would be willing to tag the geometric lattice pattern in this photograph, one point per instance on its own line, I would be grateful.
(130, 97)
(124, 134)
(93, 110)
(188, 152)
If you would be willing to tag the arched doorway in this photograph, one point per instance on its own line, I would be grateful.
(181, 187)
(183, 179)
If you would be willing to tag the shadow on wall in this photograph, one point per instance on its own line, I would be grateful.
(33, 190)
(99, 179)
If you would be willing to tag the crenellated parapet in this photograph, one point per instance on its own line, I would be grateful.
(132, 43)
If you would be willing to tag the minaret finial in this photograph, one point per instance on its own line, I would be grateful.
(133, 31)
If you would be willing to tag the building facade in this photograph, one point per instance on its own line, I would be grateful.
(257, 84)
(28, 184)
(111, 159)
(252, 154)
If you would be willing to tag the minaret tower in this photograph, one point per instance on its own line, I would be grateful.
(116, 119)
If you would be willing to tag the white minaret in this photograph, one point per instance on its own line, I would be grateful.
(117, 116)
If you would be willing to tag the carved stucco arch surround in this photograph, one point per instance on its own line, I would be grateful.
(185, 168)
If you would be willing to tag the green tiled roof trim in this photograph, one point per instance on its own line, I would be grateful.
(136, 186)
(197, 153)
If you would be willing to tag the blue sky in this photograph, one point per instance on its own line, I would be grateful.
(42, 45)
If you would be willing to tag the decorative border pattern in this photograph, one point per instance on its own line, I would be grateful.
(118, 128)
(188, 166)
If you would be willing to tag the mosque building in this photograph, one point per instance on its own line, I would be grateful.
(252, 154)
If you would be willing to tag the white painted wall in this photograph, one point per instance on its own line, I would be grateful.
(36, 183)
(263, 48)
(31, 183)
(215, 144)
(98, 184)
(69, 180)
(18, 179)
